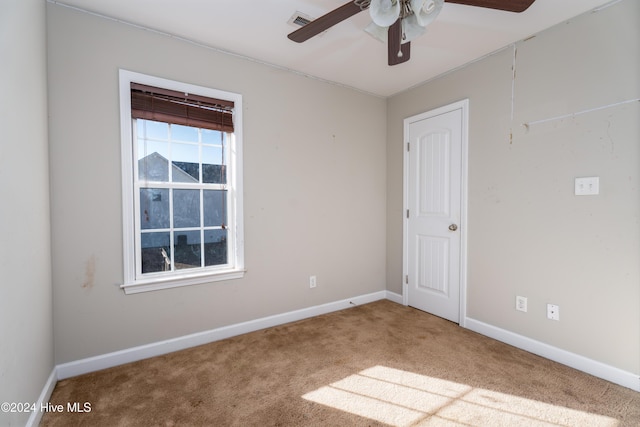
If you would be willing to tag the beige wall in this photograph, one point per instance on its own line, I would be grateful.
(26, 343)
(314, 177)
(528, 233)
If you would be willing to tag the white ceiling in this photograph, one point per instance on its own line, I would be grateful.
(345, 54)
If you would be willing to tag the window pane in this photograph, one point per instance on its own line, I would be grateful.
(215, 208)
(213, 168)
(154, 208)
(212, 154)
(184, 133)
(215, 247)
(212, 136)
(214, 174)
(155, 130)
(152, 161)
(186, 161)
(155, 252)
(187, 249)
(186, 208)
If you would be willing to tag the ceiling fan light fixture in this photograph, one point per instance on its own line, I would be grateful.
(414, 15)
(385, 12)
(426, 11)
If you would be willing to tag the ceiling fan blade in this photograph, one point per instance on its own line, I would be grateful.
(398, 52)
(325, 22)
(507, 5)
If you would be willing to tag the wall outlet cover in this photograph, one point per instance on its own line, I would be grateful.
(553, 312)
(521, 303)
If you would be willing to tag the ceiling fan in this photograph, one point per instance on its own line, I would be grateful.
(397, 21)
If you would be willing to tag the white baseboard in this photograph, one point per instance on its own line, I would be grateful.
(392, 296)
(92, 364)
(581, 363)
(45, 394)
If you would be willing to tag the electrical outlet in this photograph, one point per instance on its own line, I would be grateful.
(313, 282)
(553, 312)
(521, 303)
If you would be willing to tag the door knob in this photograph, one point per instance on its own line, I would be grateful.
(453, 227)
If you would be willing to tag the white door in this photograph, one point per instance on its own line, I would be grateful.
(435, 163)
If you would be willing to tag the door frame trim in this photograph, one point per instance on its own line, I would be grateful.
(462, 105)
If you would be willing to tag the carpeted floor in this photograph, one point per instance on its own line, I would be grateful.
(374, 365)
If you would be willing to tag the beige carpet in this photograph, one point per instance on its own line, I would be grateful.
(373, 365)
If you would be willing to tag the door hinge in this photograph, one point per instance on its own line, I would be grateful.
(407, 213)
(406, 279)
(408, 146)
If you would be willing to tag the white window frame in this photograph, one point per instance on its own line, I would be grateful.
(133, 281)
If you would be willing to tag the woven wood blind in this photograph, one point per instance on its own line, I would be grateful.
(152, 103)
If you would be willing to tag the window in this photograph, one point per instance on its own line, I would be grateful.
(182, 183)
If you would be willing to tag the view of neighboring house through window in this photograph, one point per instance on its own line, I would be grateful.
(182, 186)
(183, 196)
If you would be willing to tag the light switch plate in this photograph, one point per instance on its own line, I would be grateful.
(587, 186)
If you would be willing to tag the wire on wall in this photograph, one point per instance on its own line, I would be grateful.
(564, 116)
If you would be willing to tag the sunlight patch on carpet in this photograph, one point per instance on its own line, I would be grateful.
(399, 398)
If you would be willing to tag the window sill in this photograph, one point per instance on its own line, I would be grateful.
(156, 283)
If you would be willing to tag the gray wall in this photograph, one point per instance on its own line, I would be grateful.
(529, 234)
(314, 177)
(26, 346)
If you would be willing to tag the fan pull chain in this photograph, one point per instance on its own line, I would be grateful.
(404, 37)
